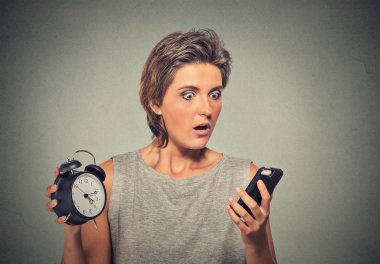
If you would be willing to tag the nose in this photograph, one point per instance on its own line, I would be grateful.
(205, 107)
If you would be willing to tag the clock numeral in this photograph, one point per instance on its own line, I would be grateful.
(84, 211)
(86, 180)
(76, 185)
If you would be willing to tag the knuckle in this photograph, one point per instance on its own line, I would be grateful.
(266, 214)
(253, 207)
(267, 197)
(49, 190)
(244, 214)
(51, 205)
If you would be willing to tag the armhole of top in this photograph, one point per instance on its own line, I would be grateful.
(123, 166)
(114, 192)
(248, 179)
(114, 206)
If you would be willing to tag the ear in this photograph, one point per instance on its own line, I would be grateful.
(156, 109)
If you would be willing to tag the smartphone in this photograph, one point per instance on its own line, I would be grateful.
(270, 177)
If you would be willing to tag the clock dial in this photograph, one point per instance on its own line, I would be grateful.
(88, 195)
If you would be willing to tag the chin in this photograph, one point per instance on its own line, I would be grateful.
(199, 145)
(191, 142)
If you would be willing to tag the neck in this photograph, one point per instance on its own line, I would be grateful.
(173, 160)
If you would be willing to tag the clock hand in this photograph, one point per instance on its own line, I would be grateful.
(80, 190)
(85, 195)
(96, 191)
(88, 197)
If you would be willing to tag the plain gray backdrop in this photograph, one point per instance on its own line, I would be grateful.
(303, 96)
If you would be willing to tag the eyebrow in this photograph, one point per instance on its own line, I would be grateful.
(197, 89)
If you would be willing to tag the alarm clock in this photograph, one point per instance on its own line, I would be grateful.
(81, 195)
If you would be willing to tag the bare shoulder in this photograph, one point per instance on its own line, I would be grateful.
(253, 169)
(107, 166)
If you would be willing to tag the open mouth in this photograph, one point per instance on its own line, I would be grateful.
(202, 127)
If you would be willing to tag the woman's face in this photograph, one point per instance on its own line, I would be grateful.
(191, 100)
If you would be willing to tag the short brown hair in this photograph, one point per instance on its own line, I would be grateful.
(172, 52)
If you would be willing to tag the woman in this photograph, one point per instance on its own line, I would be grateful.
(169, 201)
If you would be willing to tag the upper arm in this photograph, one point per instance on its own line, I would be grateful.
(253, 170)
(96, 243)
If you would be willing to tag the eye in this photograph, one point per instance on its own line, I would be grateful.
(188, 95)
(216, 95)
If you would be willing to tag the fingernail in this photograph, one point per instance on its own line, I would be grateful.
(238, 189)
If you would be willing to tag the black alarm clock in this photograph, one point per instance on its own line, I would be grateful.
(81, 195)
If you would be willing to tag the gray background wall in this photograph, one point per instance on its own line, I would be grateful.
(303, 96)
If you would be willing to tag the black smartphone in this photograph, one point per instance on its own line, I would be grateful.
(270, 177)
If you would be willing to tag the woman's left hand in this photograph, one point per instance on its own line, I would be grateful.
(253, 230)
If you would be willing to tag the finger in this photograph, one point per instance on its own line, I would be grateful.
(50, 205)
(60, 220)
(51, 189)
(236, 219)
(240, 211)
(265, 196)
(251, 204)
(56, 172)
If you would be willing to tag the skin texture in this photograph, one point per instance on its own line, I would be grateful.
(194, 97)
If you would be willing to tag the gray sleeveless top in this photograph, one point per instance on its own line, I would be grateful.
(157, 219)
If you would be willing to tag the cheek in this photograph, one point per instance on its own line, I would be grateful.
(178, 117)
(217, 110)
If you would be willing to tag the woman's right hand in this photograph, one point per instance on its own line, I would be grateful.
(52, 203)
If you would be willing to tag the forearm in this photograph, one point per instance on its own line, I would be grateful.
(259, 253)
(73, 252)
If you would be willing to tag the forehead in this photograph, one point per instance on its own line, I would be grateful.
(201, 75)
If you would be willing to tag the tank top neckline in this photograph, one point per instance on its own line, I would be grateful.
(167, 178)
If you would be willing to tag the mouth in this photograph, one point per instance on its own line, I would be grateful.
(202, 129)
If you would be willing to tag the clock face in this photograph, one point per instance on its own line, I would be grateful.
(88, 195)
